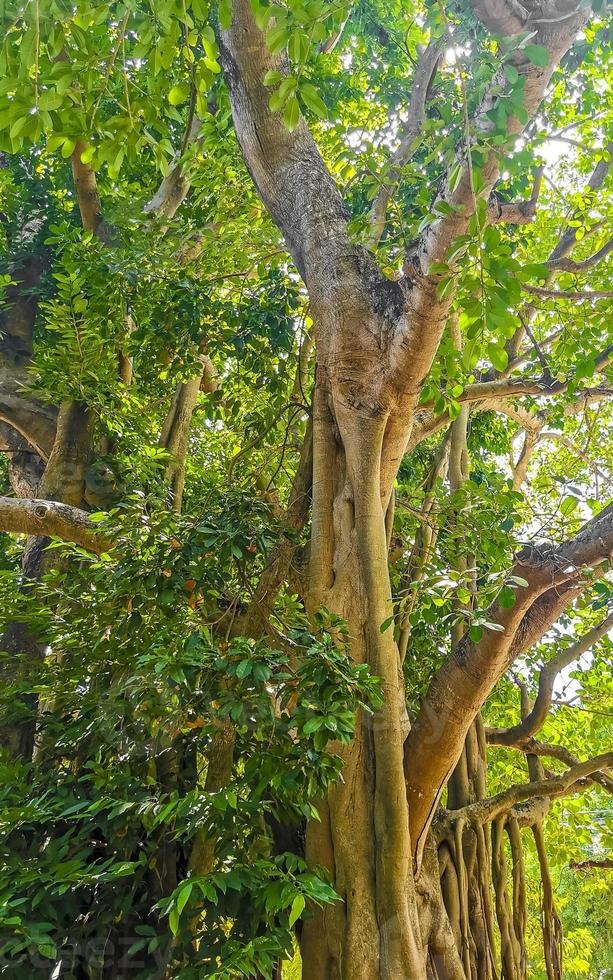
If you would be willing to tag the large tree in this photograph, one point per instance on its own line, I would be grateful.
(307, 425)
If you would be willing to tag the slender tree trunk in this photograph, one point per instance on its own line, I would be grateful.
(63, 480)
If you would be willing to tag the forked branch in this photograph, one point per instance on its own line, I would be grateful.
(574, 780)
(535, 720)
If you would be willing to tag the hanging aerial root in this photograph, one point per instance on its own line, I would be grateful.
(463, 895)
(484, 864)
(509, 950)
(519, 891)
(551, 925)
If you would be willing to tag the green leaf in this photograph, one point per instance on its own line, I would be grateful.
(272, 78)
(455, 176)
(296, 910)
(225, 14)
(537, 54)
(276, 38)
(68, 147)
(243, 669)
(313, 725)
(439, 269)
(291, 113)
(385, 625)
(276, 100)
(444, 288)
(134, 948)
(173, 921)
(178, 94)
(183, 896)
(313, 100)
(298, 47)
(262, 13)
(568, 505)
(498, 356)
(506, 598)
(88, 154)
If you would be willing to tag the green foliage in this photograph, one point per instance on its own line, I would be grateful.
(153, 688)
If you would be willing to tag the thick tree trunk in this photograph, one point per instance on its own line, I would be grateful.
(363, 837)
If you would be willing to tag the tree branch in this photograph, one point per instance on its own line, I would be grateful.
(494, 396)
(422, 79)
(535, 720)
(175, 430)
(52, 519)
(464, 681)
(603, 864)
(287, 168)
(530, 746)
(35, 422)
(255, 619)
(568, 239)
(437, 238)
(579, 297)
(574, 780)
(515, 212)
(87, 195)
(564, 246)
(512, 387)
(175, 186)
(570, 265)
(25, 466)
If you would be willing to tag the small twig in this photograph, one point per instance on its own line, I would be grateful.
(580, 297)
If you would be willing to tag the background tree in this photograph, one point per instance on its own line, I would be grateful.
(306, 417)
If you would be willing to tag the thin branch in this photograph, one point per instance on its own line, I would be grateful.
(564, 246)
(531, 746)
(422, 80)
(535, 720)
(87, 194)
(175, 186)
(570, 142)
(174, 436)
(568, 239)
(570, 265)
(565, 441)
(515, 212)
(520, 468)
(256, 617)
(601, 864)
(578, 297)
